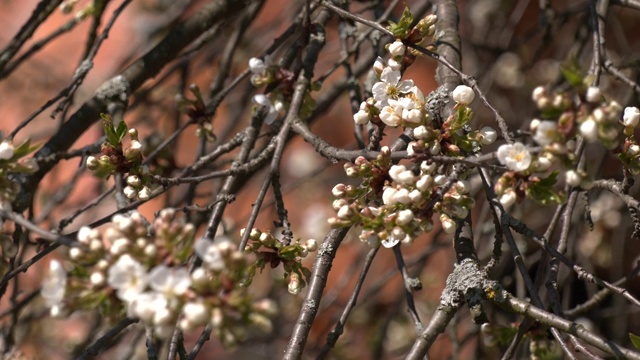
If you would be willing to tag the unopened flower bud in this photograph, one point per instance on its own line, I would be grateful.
(92, 163)
(144, 194)
(593, 94)
(488, 135)
(463, 95)
(631, 116)
(294, 284)
(573, 178)
(396, 48)
(312, 244)
(134, 181)
(130, 192)
(6, 150)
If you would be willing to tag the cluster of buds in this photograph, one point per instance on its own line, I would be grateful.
(269, 250)
(564, 115)
(137, 268)
(403, 30)
(396, 102)
(405, 193)
(453, 137)
(116, 160)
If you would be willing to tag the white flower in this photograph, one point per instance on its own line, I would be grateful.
(572, 178)
(361, 117)
(420, 133)
(263, 103)
(396, 48)
(195, 314)
(391, 115)
(169, 281)
(508, 198)
(53, 286)
(404, 217)
(145, 306)
(144, 194)
(92, 162)
(488, 135)
(345, 212)
(134, 180)
(435, 148)
(388, 194)
(440, 179)
(294, 284)
(411, 149)
(462, 186)
(514, 156)
(538, 93)
(448, 225)
(631, 116)
(210, 254)
(543, 164)
(130, 192)
(593, 94)
(258, 66)
(401, 197)
(390, 242)
(589, 129)
(390, 86)
(424, 182)
(97, 279)
(415, 196)
(128, 277)
(394, 64)
(400, 174)
(6, 150)
(463, 95)
(338, 190)
(378, 66)
(545, 132)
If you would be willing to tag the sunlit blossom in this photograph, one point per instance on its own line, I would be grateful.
(514, 156)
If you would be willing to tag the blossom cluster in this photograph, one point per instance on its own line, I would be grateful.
(116, 160)
(269, 250)
(406, 193)
(395, 203)
(138, 270)
(564, 115)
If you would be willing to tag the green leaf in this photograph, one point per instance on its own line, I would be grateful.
(635, 340)
(549, 180)
(543, 191)
(109, 130)
(571, 72)
(24, 149)
(122, 130)
(401, 29)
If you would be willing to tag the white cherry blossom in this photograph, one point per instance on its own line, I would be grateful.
(210, 254)
(546, 131)
(390, 86)
(514, 156)
(128, 277)
(53, 287)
